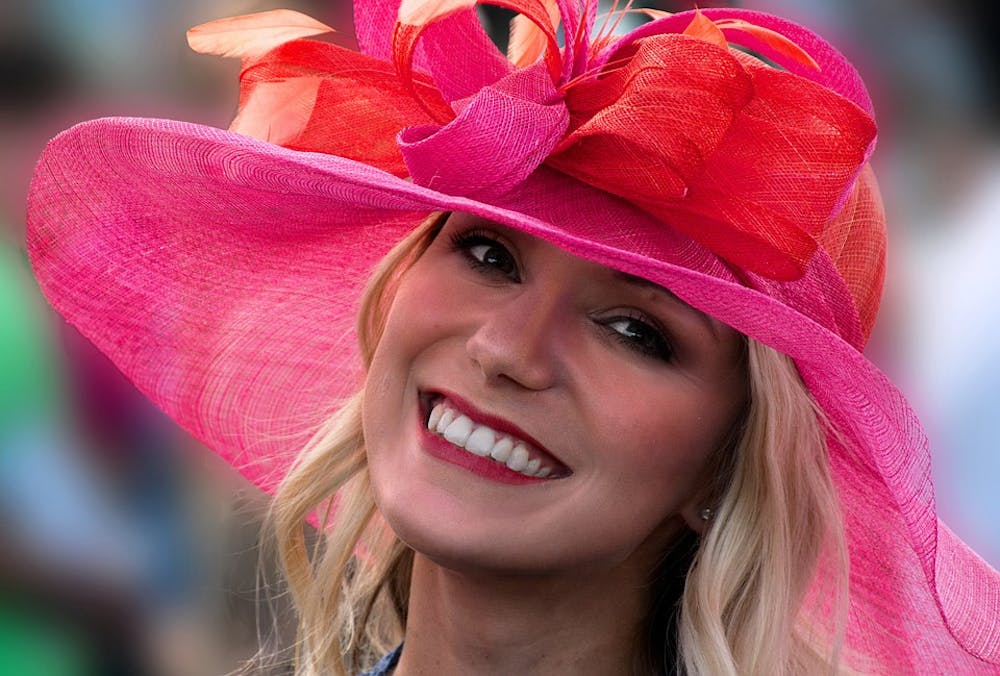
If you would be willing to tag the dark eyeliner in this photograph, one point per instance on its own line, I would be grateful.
(463, 241)
(661, 349)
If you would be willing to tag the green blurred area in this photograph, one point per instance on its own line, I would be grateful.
(30, 385)
(33, 643)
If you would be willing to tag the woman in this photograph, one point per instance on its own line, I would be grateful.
(583, 544)
(612, 414)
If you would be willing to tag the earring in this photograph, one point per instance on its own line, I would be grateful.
(707, 514)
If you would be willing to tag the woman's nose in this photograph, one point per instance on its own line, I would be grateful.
(519, 341)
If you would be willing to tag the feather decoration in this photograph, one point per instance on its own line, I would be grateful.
(416, 15)
(423, 12)
(584, 35)
(614, 17)
(703, 28)
(252, 35)
(700, 27)
(528, 41)
(776, 41)
(278, 111)
(606, 35)
(654, 14)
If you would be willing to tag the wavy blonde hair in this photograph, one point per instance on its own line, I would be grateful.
(762, 591)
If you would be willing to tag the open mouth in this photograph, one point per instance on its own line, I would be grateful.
(487, 437)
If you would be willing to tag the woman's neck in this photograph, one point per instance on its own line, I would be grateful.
(462, 623)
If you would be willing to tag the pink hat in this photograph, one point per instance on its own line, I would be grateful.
(221, 271)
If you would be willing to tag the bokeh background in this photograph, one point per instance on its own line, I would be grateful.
(126, 548)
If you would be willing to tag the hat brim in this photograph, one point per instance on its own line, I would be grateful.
(221, 274)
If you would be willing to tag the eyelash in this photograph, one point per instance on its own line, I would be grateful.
(656, 346)
(465, 241)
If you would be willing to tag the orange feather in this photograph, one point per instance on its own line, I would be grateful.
(527, 40)
(252, 35)
(653, 14)
(703, 28)
(423, 12)
(772, 39)
(279, 111)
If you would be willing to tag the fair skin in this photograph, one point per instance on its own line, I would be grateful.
(617, 391)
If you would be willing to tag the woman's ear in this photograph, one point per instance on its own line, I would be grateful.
(702, 507)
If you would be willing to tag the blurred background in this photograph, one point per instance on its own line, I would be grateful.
(125, 548)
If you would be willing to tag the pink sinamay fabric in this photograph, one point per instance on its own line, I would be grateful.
(221, 272)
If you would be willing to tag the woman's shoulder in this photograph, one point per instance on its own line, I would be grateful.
(386, 664)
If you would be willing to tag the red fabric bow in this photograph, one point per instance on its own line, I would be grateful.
(749, 159)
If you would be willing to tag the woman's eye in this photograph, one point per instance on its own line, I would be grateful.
(640, 336)
(488, 255)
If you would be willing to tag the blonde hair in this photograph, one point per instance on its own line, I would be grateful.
(777, 535)
(743, 600)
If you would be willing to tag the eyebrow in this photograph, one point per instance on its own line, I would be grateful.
(709, 322)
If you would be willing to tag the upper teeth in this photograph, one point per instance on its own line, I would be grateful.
(484, 441)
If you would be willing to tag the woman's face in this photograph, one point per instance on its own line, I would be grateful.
(573, 409)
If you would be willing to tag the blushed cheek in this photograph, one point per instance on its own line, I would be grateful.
(373, 412)
(385, 387)
(678, 450)
(681, 470)
(411, 329)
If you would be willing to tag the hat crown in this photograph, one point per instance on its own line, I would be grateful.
(755, 157)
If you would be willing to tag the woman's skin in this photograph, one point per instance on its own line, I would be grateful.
(619, 390)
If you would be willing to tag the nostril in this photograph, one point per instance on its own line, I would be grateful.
(513, 356)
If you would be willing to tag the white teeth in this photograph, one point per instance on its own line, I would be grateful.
(480, 441)
(502, 450)
(518, 458)
(458, 432)
(445, 420)
(436, 414)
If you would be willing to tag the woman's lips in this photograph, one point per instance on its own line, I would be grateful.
(485, 443)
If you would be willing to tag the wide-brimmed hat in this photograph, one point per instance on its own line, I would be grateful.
(722, 154)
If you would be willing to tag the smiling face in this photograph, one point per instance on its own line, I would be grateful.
(530, 411)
